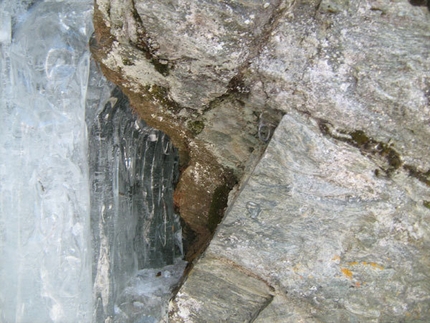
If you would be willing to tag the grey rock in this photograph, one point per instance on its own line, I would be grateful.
(364, 67)
(359, 65)
(335, 212)
(335, 242)
(201, 45)
(236, 296)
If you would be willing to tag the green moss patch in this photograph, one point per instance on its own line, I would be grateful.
(160, 95)
(196, 126)
(368, 146)
(371, 147)
(421, 176)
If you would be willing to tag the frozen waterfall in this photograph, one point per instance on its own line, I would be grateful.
(87, 228)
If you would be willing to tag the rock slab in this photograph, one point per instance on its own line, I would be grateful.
(335, 242)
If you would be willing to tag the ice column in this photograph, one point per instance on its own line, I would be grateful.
(132, 172)
(87, 228)
(45, 266)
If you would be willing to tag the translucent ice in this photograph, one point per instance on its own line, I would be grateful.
(82, 212)
(45, 271)
(133, 168)
(5, 27)
(146, 297)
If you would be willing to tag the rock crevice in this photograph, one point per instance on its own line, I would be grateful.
(218, 77)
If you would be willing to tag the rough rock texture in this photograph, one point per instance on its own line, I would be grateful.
(363, 66)
(333, 241)
(238, 296)
(353, 78)
(180, 65)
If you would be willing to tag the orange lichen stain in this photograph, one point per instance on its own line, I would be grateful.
(335, 258)
(347, 272)
(365, 263)
(357, 284)
(375, 265)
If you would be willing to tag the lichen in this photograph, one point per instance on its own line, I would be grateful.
(196, 126)
(347, 273)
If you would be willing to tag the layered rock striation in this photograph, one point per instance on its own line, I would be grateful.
(347, 176)
(315, 236)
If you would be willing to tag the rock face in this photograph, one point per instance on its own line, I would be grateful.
(328, 240)
(347, 175)
(183, 75)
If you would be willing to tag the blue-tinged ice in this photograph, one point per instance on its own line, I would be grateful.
(45, 245)
(132, 170)
(87, 228)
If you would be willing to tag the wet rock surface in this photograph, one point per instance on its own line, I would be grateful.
(348, 188)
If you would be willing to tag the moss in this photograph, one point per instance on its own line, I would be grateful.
(421, 176)
(142, 45)
(426, 204)
(359, 138)
(127, 61)
(160, 95)
(163, 69)
(367, 145)
(196, 127)
(393, 158)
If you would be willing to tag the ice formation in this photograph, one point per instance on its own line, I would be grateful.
(82, 210)
(132, 171)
